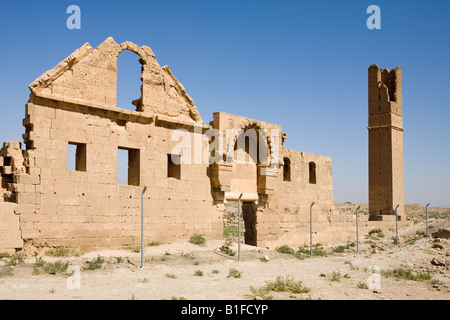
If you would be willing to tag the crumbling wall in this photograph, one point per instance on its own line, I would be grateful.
(44, 203)
(75, 104)
(285, 220)
(386, 176)
(10, 235)
(90, 76)
(18, 195)
(87, 208)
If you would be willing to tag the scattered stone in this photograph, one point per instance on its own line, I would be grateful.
(437, 261)
(441, 233)
(267, 258)
(168, 253)
(438, 245)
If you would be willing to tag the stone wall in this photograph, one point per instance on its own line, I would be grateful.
(285, 219)
(46, 203)
(87, 208)
(10, 235)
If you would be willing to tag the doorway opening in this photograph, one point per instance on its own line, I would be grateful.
(249, 216)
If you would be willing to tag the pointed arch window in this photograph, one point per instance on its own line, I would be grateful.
(129, 81)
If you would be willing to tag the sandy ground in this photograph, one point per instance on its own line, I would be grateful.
(169, 272)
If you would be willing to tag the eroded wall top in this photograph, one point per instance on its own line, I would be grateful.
(90, 75)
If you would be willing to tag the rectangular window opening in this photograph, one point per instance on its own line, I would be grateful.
(174, 166)
(77, 157)
(128, 166)
(312, 173)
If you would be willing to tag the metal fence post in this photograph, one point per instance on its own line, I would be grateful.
(239, 227)
(310, 230)
(357, 233)
(142, 227)
(426, 207)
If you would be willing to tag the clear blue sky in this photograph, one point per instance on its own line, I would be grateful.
(301, 64)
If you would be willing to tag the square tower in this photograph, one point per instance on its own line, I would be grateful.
(386, 181)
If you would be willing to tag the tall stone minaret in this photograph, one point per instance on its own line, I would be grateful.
(386, 181)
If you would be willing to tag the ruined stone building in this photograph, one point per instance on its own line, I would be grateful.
(44, 203)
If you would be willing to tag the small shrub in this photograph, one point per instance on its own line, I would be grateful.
(4, 255)
(351, 243)
(362, 285)
(39, 262)
(198, 273)
(135, 249)
(413, 240)
(227, 250)
(338, 249)
(262, 292)
(170, 275)
(352, 267)
(234, 273)
(189, 256)
(231, 231)
(58, 252)
(287, 284)
(196, 263)
(228, 241)
(437, 282)
(305, 251)
(376, 233)
(318, 250)
(145, 280)
(16, 259)
(335, 276)
(94, 264)
(285, 249)
(407, 274)
(56, 267)
(6, 272)
(36, 270)
(215, 271)
(197, 239)
(153, 244)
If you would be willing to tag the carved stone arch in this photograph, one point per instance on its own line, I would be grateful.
(144, 52)
(138, 103)
(248, 124)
